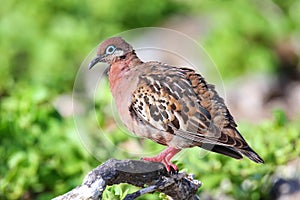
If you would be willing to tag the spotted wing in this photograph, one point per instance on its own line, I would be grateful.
(179, 101)
(169, 103)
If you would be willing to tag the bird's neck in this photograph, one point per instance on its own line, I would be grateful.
(132, 60)
(121, 67)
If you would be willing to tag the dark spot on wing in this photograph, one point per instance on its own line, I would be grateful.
(175, 123)
(162, 107)
(185, 108)
(153, 110)
(146, 99)
(170, 130)
(164, 114)
(173, 106)
(157, 117)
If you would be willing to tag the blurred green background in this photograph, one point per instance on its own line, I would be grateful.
(43, 43)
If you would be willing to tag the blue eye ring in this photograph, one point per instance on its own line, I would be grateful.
(110, 49)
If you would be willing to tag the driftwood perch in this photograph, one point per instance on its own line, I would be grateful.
(138, 173)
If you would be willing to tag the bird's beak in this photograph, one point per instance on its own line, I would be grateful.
(95, 61)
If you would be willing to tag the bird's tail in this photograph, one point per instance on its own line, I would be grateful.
(227, 151)
(252, 155)
(234, 152)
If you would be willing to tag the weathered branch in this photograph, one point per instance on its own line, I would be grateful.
(138, 173)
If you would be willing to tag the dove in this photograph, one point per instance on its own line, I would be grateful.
(171, 105)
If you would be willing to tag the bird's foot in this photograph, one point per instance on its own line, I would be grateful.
(165, 157)
(169, 166)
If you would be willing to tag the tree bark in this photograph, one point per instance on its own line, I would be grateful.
(138, 173)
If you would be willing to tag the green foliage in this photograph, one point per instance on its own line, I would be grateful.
(115, 192)
(120, 191)
(42, 45)
(245, 34)
(38, 149)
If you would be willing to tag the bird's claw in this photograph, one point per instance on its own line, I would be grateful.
(172, 169)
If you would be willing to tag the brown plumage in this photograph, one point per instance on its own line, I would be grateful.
(172, 106)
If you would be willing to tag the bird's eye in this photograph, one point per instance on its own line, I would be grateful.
(110, 49)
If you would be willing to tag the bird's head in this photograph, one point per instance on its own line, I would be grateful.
(110, 50)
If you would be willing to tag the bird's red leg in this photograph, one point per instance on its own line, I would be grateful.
(165, 157)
